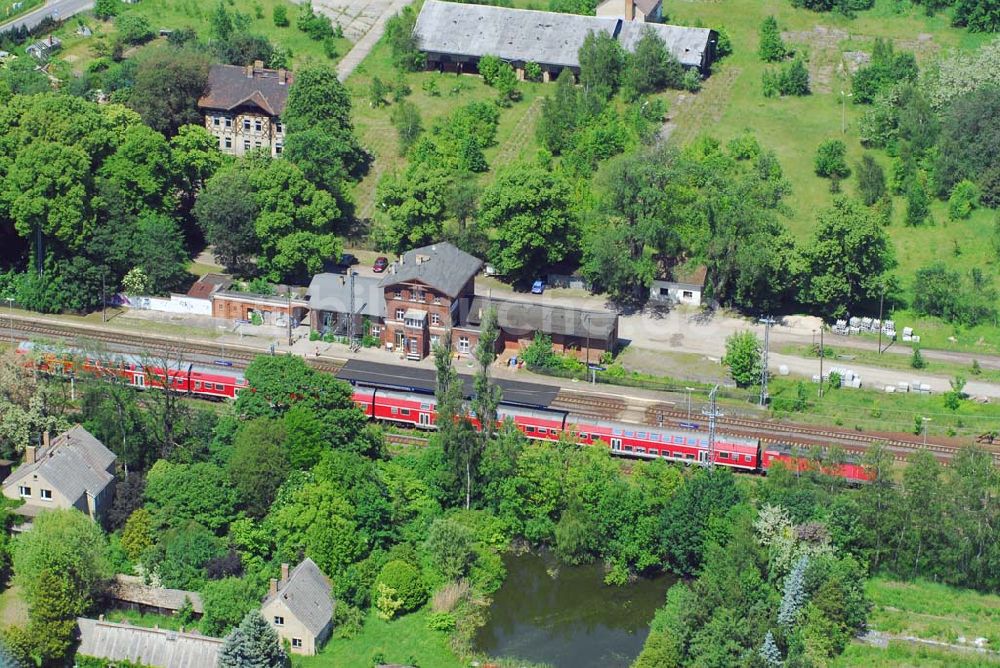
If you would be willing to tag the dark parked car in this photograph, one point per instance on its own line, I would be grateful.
(381, 262)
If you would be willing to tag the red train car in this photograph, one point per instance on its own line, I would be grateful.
(851, 470)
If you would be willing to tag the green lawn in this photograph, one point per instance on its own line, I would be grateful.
(896, 360)
(905, 655)
(515, 133)
(405, 640)
(934, 611)
(731, 101)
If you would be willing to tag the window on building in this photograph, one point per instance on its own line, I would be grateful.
(435, 319)
(399, 293)
(229, 122)
(688, 294)
(297, 642)
(215, 121)
(376, 330)
(45, 494)
(256, 144)
(246, 144)
(278, 148)
(463, 344)
(437, 299)
(399, 313)
(24, 491)
(277, 126)
(256, 126)
(229, 142)
(246, 123)
(279, 620)
(419, 295)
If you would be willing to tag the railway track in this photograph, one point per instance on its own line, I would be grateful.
(406, 439)
(240, 356)
(602, 408)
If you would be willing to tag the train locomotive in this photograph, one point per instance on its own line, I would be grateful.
(418, 410)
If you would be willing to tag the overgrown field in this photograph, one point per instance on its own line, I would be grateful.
(732, 101)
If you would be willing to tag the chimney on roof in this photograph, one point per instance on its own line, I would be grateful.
(284, 573)
(629, 10)
(100, 617)
(45, 438)
(50, 40)
(258, 65)
(281, 76)
(29, 455)
(249, 71)
(274, 587)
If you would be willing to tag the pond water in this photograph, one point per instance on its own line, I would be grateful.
(567, 617)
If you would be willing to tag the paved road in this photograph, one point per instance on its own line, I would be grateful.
(61, 9)
(364, 45)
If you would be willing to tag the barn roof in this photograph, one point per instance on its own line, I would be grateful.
(132, 589)
(547, 38)
(150, 647)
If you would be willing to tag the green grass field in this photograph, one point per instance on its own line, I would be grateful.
(894, 361)
(732, 101)
(515, 133)
(905, 655)
(406, 641)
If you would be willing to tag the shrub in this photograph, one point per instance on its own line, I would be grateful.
(830, 161)
(963, 200)
(771, 48)
(133, 29)
(918, 203)
(105, 9)
(691, 81)
(489, 67)
(532, 71)
(794, 79)
(916, 359)
(441, 621)
(399, 580)
(280, 16)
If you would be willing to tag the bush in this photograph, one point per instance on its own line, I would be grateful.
(830, 161)
(399, 582)
(280, 16)
(133, 29)
(532, 71)
(743, 358)
(917, 360)
(794, 79)
(105, 9)
(317, 26)
(489, 67)
(691, 81)
(771, 48)
(963, 200)
(441, 621)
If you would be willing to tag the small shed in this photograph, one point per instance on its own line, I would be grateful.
(44, 48)
(131, 592)
(684, 287)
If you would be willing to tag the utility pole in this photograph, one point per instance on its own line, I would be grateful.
(925, 420)
(288, 293)
(768, 321)
(689, 390)
(10, 306)
(350, 320)
(881, 325)
(712, 413)
(104, 301)
(822, 351)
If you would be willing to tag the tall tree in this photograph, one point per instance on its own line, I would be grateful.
(455, 433)
(560, 114)
(226, 211)
(601, 62)
(253, 644)
(487, 395)
(410, 208)
(771, 47)
(871, 180)
(168, 84)
(530, 210)
(651, 67)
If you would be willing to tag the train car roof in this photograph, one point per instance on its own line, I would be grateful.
(418, 379)
(607, 424)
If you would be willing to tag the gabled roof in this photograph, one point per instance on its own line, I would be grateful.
(132, 589)
(74, 463)
(441, 266)
(229, 87)
(332, 292)
(307, 595)
(547, 38)
(150, 647)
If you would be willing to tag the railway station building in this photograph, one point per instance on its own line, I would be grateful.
(431, 291)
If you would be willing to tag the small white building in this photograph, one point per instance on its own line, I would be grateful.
(684, 288)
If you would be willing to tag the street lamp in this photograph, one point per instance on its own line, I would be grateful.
(924, 421)
(689, 390)
(843, 111)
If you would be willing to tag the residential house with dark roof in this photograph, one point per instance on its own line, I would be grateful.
(456, 35)
(74, 470)
(161, 648)
(243, 106)
(300, 607)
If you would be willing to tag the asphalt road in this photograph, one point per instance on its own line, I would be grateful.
(62, 10)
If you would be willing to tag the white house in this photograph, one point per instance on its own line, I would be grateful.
(685, 288)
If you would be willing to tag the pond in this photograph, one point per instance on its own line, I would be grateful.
(566, 616)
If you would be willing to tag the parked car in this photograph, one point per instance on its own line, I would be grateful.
(538, 287)
(381, 263)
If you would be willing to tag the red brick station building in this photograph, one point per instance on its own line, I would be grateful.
(422, 296)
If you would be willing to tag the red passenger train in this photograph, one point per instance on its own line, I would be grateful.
(419, 410)
(183, 377)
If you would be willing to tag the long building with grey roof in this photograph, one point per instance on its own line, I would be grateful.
(160, 648)
(456, 35)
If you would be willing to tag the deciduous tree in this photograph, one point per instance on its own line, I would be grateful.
(743, 357)
(168, 84)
